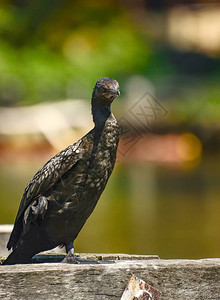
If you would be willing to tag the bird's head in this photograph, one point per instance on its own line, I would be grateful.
(106, 90)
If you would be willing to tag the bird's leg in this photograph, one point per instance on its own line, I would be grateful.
(70, 257)
(70, 249)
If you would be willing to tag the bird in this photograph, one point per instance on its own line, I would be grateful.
(63, 193)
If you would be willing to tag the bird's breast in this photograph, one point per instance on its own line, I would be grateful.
(82, 186)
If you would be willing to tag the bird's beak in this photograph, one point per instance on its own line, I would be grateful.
(118, 93)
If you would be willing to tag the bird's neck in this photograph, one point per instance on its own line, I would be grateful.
(100, 113)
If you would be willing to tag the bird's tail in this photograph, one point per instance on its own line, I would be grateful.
(18, 256)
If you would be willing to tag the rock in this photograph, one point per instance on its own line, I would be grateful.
(139, 290)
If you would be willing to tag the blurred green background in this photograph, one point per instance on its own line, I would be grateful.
(163, 195)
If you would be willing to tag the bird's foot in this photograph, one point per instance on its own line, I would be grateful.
(71, 259)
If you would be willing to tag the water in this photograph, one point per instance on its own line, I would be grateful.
(145, 209)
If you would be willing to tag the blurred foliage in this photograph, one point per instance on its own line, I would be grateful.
(51, 50)
(197, 105)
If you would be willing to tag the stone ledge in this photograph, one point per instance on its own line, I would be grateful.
(51, 257)
(175, 279)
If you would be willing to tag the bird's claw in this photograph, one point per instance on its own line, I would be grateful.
(71, 259)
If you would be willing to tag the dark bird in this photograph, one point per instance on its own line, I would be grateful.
(63, 193)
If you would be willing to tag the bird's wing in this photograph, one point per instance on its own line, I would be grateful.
(44, 179)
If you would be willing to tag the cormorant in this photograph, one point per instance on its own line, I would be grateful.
(63, 193)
